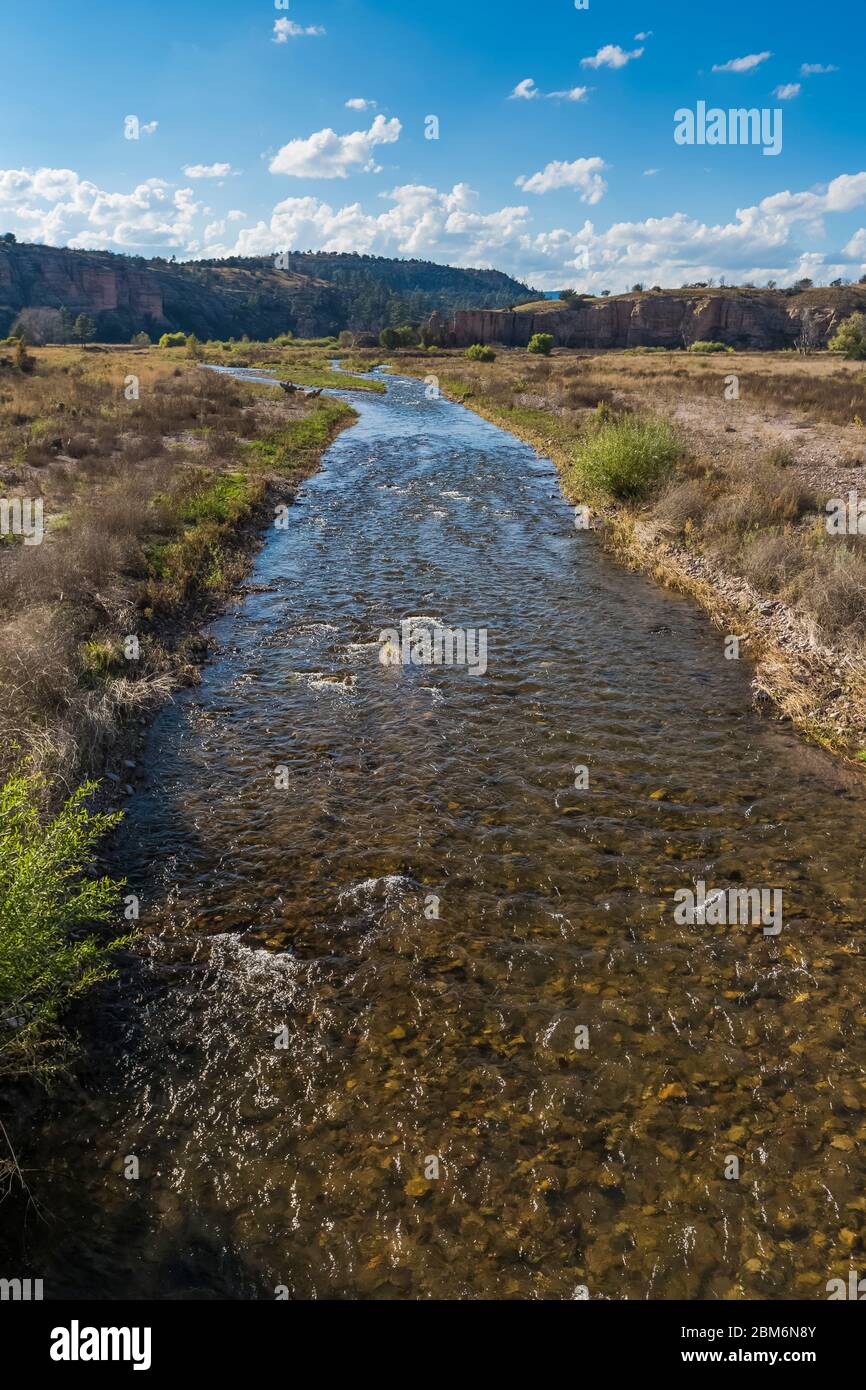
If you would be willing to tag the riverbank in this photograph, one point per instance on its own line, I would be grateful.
(152, 481)
(737, 521)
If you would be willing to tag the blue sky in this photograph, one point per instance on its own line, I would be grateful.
(555, 158)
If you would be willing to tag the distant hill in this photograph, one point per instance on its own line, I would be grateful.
(318, 293)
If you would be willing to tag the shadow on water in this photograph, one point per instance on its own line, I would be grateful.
(381, 919)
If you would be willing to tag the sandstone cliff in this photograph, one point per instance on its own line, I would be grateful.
(741, 318)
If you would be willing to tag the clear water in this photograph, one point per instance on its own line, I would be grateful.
(411, 1041)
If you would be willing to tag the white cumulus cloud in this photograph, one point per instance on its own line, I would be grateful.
(582, 175)
(787, 91)
(207, 171)
(809, 69)
(611, 56)
(525, 90)
(327, 155)
(58, 207)
(360, 104)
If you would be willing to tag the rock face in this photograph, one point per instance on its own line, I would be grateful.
(126, 294)
(46, 277)
(746, 319)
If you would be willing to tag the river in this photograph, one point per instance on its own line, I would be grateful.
(412, 1015)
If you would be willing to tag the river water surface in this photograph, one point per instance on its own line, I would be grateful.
(412, 1015)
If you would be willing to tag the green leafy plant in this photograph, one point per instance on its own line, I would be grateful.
(626, 458)
(541, 342)
(48, 908)
(850, 338)
(478, 352)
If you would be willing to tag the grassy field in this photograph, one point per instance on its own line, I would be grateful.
(155, 479)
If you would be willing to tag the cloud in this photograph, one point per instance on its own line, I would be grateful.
(208, 171)
(525, 90)
(787, 90)
(58, 207)
(611, 56)
(326, 155)
(420, 221)
(583, 175)
(641, 37)
(148, 127)
(809, 69)
(360, 104)
(571, 94)
(777, 238)
(759, 243)
(747, 64)
(285, 29)
(648, 173)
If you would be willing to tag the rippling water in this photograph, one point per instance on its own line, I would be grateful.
(374, 965)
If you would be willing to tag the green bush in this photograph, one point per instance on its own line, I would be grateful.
(541, 342)
(478, 352)
(626, 458)
(708, 347)
(171, 340)
(389, 338)
(47, 907)
(850, 338)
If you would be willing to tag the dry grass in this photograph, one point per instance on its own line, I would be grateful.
(147, 504)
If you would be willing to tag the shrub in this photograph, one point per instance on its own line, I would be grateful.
(479, 352)
(388, 338)
(47, 906)
(407, 335)
(541, 342)
(626, 458)
(172, 340)
(140, 340)
(850, 339)
(22, 359)
(708, 347)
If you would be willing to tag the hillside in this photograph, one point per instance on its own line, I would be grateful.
(317, 294)
(760, 319)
